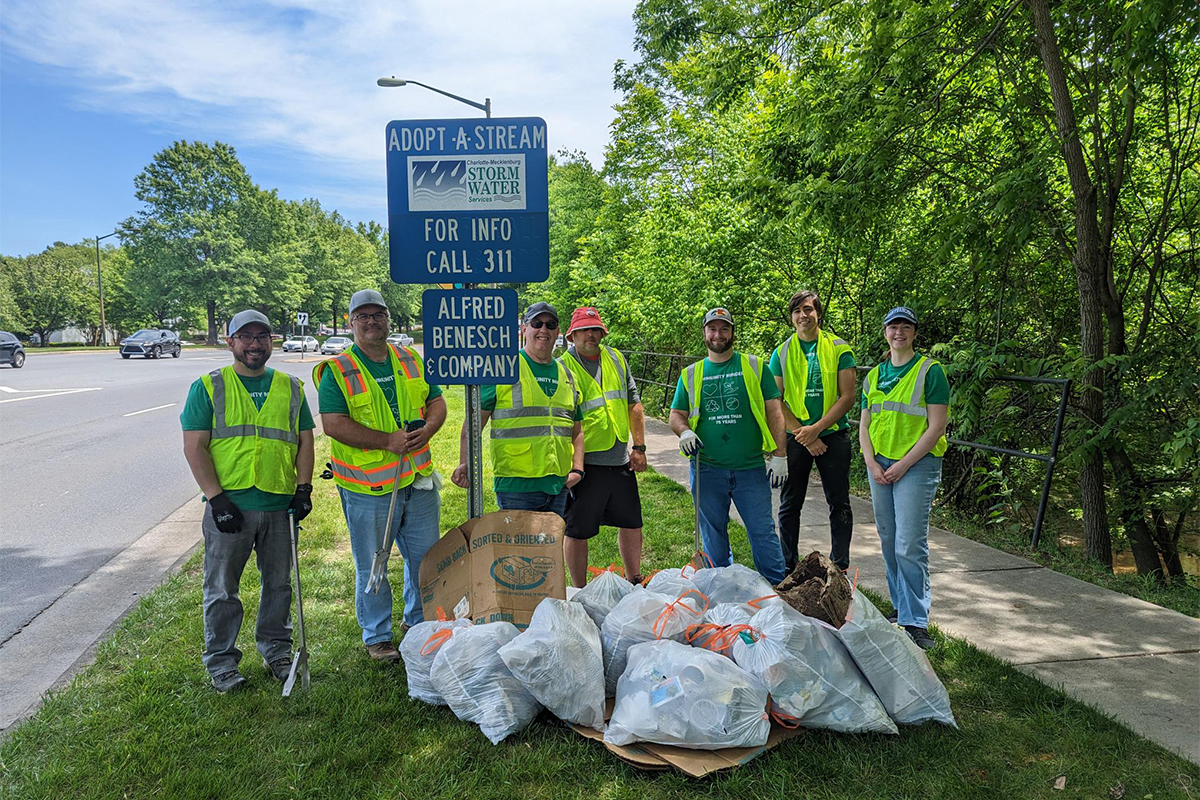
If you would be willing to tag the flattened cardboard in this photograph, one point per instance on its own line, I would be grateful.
(696, 763)
(503, 564)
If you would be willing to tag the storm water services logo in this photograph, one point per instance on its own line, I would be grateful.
(466, 183)
(521, 572)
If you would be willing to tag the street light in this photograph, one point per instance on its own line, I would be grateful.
(474, 415)
(100, 290)
(485, 106)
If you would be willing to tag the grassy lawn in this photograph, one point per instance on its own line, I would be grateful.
(142, 721)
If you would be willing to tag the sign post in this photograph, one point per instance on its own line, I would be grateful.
(468, 203)
(302, 321)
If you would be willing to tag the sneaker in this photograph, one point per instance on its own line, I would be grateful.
(893, 617)
(228, 681)
(383, 651)
(279, 668)
(921, 637)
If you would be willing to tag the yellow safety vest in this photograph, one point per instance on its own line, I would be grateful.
(254, 446)
(899, 418)
(373, 471)
(795, 373)
(605, 405)
(531, 433)
(694, 376)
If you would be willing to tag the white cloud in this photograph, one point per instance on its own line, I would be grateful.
(299, 75)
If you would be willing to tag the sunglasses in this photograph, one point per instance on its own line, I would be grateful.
(542, 323)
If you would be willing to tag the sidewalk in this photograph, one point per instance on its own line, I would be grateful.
(1132, 660)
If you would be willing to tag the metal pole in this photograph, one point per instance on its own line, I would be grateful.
(1058, 424)
(475, 422)
(100, 292)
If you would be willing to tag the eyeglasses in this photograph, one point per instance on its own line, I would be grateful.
(250, 338)
(378, 316)
(552, 324)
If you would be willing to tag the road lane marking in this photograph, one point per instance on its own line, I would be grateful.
(52, 393)
(144, 410)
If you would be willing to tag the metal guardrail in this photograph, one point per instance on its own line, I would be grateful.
(649, 366)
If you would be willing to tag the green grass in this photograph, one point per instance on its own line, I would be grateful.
(142, 721)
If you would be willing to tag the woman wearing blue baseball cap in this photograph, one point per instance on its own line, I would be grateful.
(905, 400)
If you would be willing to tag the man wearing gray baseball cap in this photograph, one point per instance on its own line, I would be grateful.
(380, 413)
(248, 439)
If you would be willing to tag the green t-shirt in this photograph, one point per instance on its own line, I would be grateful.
(814, 392)
(937, 388)
(197, 415)
(546, 376)
(333, 401)
(727, 426)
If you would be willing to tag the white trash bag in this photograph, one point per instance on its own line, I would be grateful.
(672, 582)
(812, 679)
(899, 671)
(470, 676)
(559, 660)
(602, 593)
(711, 633)
(418, 649)
(736, 583)
(643, 617)
(674, 694)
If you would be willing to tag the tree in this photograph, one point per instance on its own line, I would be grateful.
(52, 288)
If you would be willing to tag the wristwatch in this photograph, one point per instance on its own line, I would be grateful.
(580, 473)
(641, 448)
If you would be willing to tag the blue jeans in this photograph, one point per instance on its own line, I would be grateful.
(902, 518)
(751, 493)
(534, 501)
(417, 524)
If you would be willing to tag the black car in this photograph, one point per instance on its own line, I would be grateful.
(151, 343)
(11, 351)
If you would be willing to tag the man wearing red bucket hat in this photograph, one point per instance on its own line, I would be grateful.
(612, 420)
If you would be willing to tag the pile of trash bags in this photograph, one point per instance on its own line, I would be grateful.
(707, 664)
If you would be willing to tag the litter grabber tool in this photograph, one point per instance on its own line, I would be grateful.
(700, 559)
(300, 661)
(379, 565)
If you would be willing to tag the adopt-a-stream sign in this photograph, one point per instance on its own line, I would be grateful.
(471, 336)
(468, 200)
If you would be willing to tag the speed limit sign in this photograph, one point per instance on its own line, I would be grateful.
(301, 317)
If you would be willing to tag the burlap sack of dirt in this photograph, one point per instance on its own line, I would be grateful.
(818, 589)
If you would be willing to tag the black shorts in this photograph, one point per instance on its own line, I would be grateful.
(606, 496)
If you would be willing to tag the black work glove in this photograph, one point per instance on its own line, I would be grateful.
(226, 515)
(301, 505)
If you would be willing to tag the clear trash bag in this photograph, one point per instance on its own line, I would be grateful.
(674, 694)
(602, 593)
(734, 584)
(559, 661)
(812, 679)
(471, 677)
(898, 670)
(672, 582)
(711, 632)
(643, 617)
(418, 649)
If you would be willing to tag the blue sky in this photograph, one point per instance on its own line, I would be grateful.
(90, 90)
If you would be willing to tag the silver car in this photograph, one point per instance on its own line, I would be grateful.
(400, 339)
(335, 345)
(301, 344)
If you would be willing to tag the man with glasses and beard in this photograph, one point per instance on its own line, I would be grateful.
(727, 411)
(247, 437)
(374, 399)
(537, 432)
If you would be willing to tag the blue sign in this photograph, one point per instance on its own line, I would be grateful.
(471, 336)
(468, 200)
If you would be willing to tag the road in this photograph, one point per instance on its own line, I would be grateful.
(91, 457)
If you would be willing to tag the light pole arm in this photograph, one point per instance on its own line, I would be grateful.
(485, 106)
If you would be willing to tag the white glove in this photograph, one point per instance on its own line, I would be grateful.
(777, 472)
(689, 442)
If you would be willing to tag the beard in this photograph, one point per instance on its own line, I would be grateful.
(721, 346)
(252, 360)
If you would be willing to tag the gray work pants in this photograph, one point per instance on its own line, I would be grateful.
(225, 557)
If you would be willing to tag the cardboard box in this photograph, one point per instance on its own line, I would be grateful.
(495, 568)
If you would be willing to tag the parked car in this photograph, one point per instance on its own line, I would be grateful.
(151, 343)
(336, 344)
(301, 344)
(400, 339)
(11, 350)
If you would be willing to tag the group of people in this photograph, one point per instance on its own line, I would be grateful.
(568, 437)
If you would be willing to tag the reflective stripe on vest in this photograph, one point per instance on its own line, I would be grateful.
(605, 411)
(222, 430)
(533, 441)
(795, 374)
(694, 376)
(897, 426)
(259, 453)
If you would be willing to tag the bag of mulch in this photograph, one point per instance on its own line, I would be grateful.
(720, 624)
(812, 679)
(418, 649)
(602, 593)
(643, 617)
(474, 682)
(672, 582)
(898, 670)
(674, 694)
(559, 660)
(736, 583)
